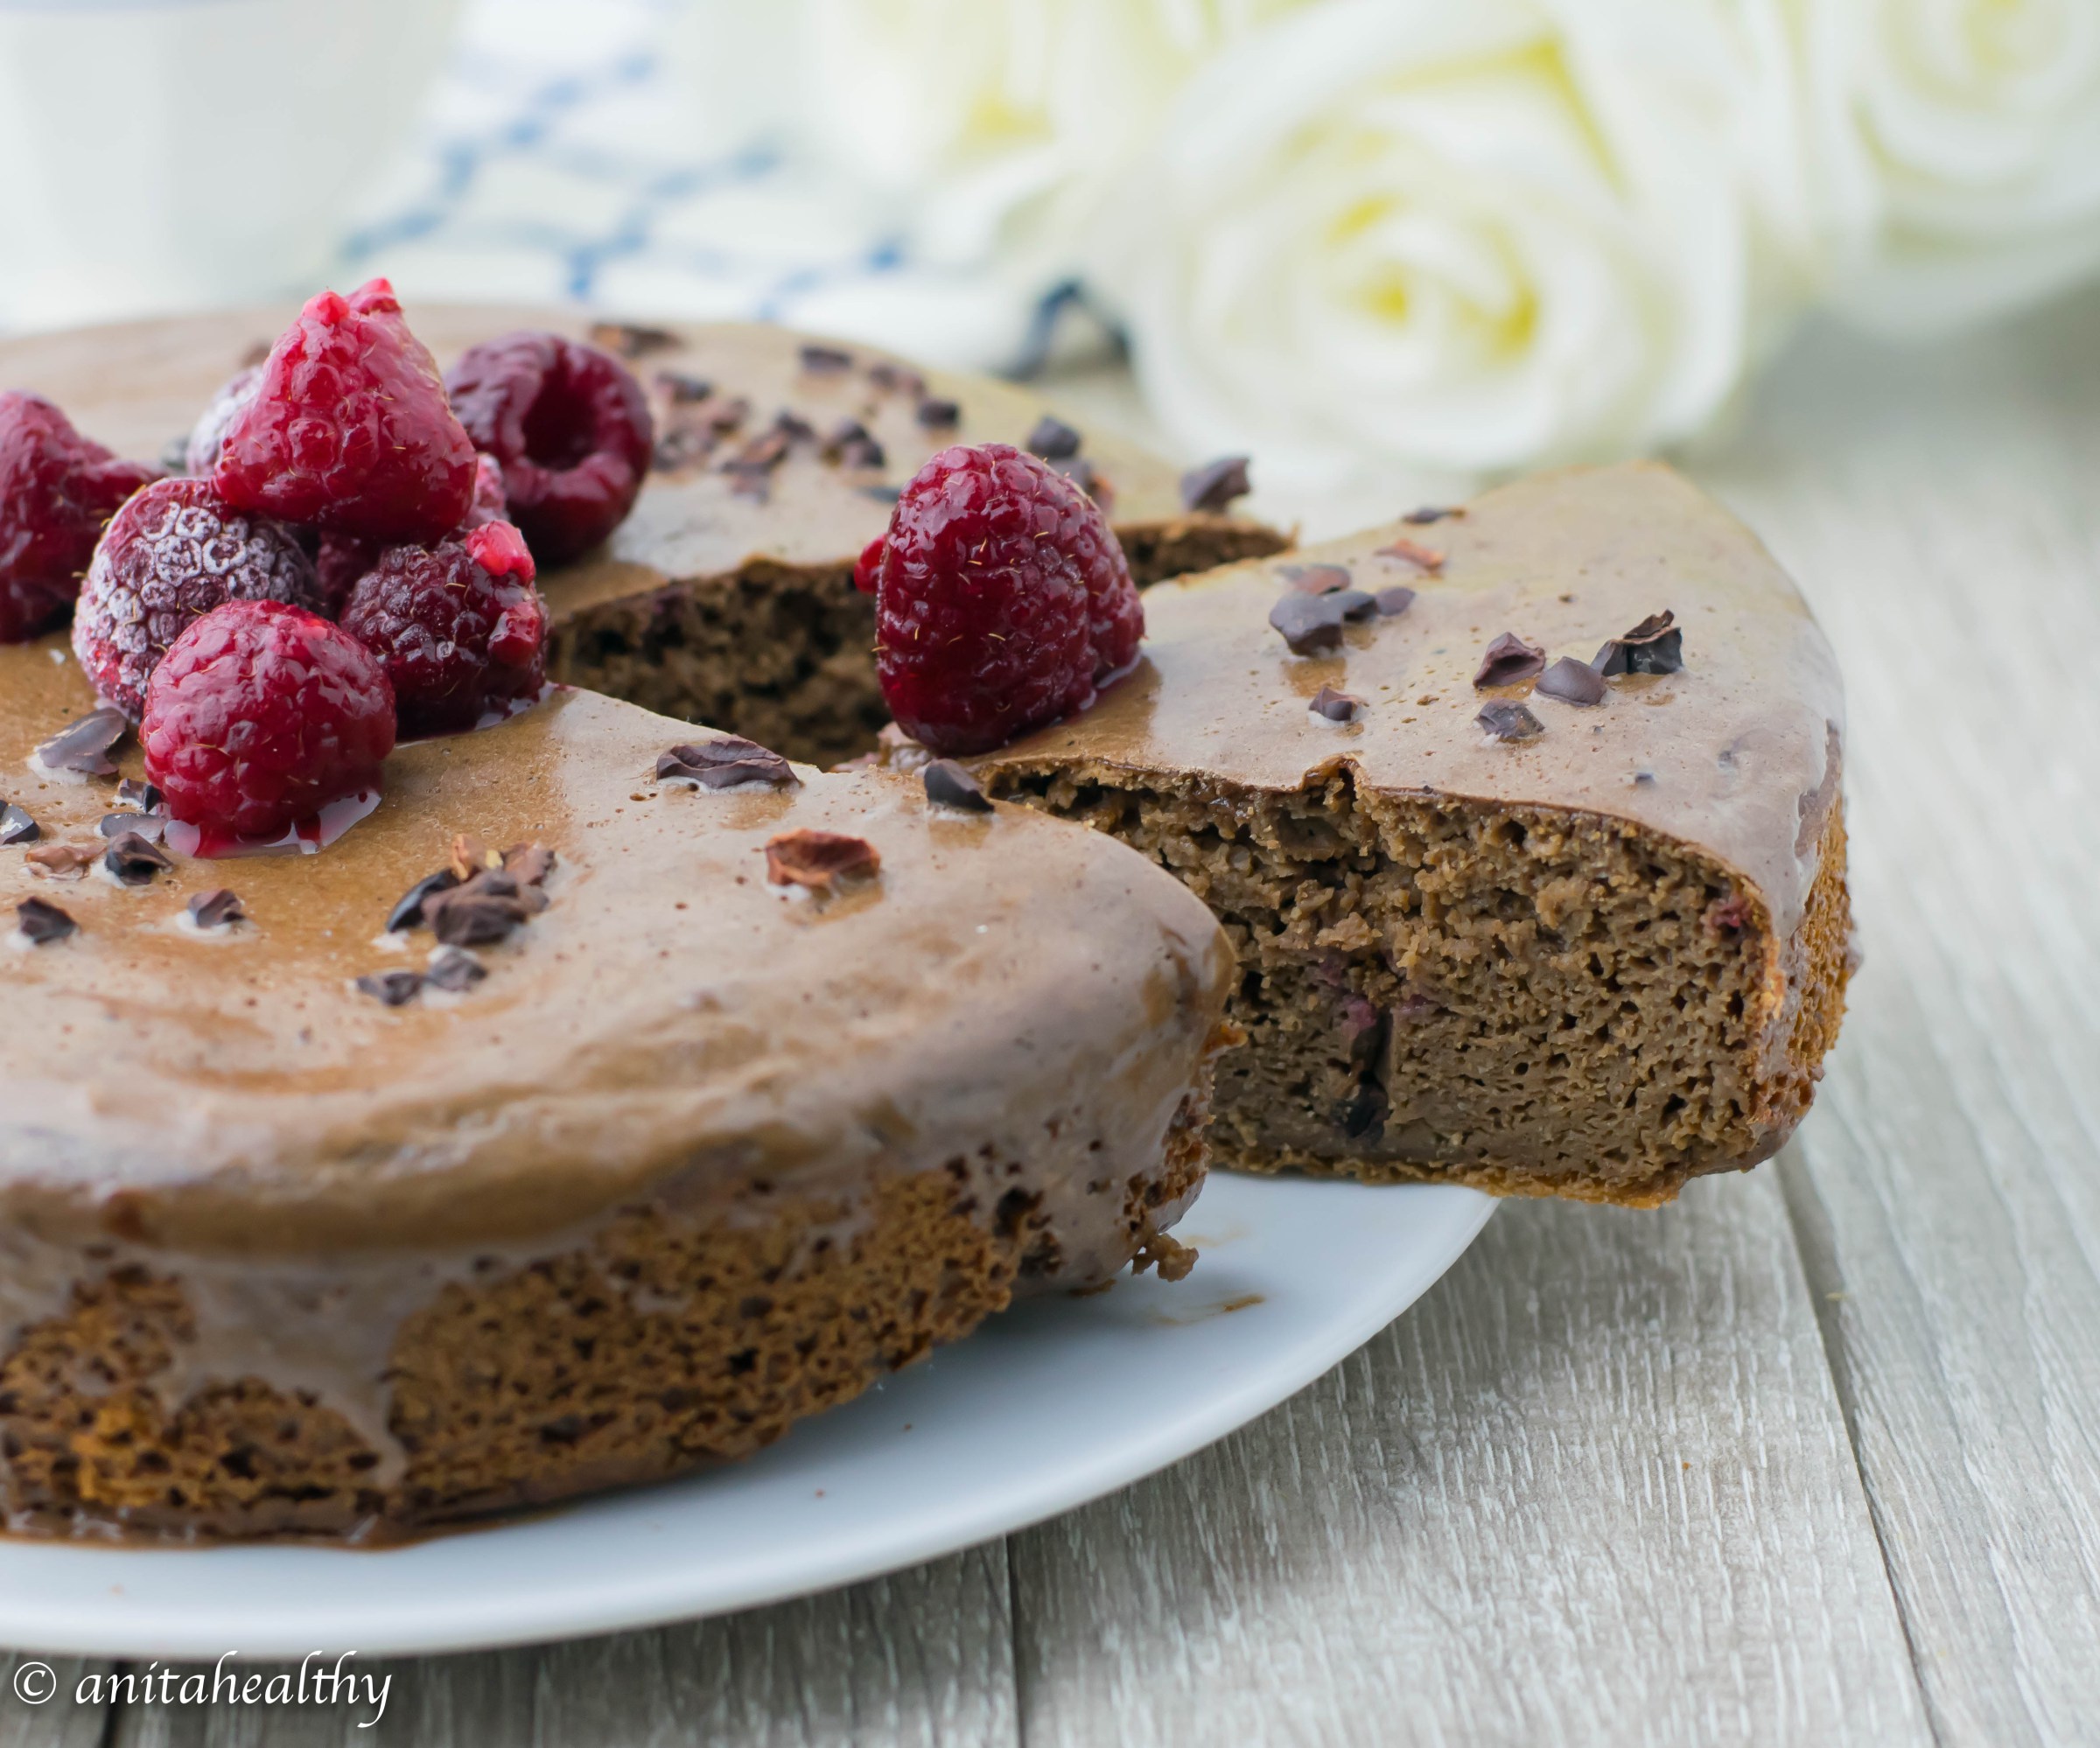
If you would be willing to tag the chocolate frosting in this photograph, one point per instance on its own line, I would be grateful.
(1736, 754)
(669, 1017)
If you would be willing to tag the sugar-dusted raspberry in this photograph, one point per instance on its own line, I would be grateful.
(57, 489)
(571, 428)
(261, 715)
(200, 454)
(349, 429)
(1002, 599)
(169, 557)
(460, 626)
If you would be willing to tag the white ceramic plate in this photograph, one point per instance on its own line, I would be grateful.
(1057, 1402)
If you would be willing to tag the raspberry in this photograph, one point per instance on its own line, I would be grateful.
(261, 715)
(349, 429)
(200, 454)
(57, 489)
(169, 557)
(569, 425)
(343, 559)
(460, 626)
(1001, 600)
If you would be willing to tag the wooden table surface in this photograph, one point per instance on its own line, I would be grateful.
(1812, 1456)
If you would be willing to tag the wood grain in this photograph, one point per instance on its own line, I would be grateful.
(1943, 510)
(57, 1722)
(920, 1660)
(1594, 1488)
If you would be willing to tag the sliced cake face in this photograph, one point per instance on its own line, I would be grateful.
(1489, 928)
(742, 1096)
(726, 597)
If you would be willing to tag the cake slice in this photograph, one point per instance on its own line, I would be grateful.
(1533, 887)
(727, 597)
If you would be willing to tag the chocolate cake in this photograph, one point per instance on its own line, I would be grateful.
(684, 1154)
(727, 597)
(1524, 822)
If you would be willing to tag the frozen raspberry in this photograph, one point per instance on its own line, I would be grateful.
(349, 429)
(200, 454)
(261, 715)
(459, 626)
(571, 428)
(168, 558)
(57, 489)
(1002, 599)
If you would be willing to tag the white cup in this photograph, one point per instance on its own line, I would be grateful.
(160, 155)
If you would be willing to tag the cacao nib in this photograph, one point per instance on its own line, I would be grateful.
(948, 785)
(820, 860)
(1507, 721)
(1509, 659)
(724, 764)
(1212, 488)
(41, 922)
(1572, 682)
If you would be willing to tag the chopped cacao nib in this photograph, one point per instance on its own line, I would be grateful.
(681, 389)
(852, 444)
(726, 415)
(62, 861)
(1391, 603)
(1430, 513)
(1212, 486)
(135, 859)
(1573, 683)
(1510, 660)
(407, 909)
(826, 361)
(629, 340)
(480, 911)
(1352, 604)
(1336, 706)
(1424, 558)
(216, 909)
(820, 860)
(391, 988)
(724, 763)
(1053, 439)
(948, 785)
(1308, 623)
(83, 746)
(938, 415)
(153, 827)
(883, 494)
(454, 969)
(793, 426)
(41, 922)
(16, 827)
(1656, 646)
(895, 378)
(529, 863)
(763, 453)
(140, 798)
(1507, 721)
(1316, 579)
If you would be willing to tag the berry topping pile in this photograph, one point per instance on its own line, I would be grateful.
(57, 489)
(349, 428)
(1001, 600)
(168, 558)
(261, 714)
(570, 428)
(459, 626)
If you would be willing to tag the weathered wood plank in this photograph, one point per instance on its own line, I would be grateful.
(1944, 511)
(1595, 1488)
(923, 1659)
(56, 1719)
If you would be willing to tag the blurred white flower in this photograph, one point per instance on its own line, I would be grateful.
(1464, 236)
(1004, 121)
(1960, 139)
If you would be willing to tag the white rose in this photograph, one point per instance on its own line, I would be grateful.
(1963, 141)
(1451, 236)
(1003, 121)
